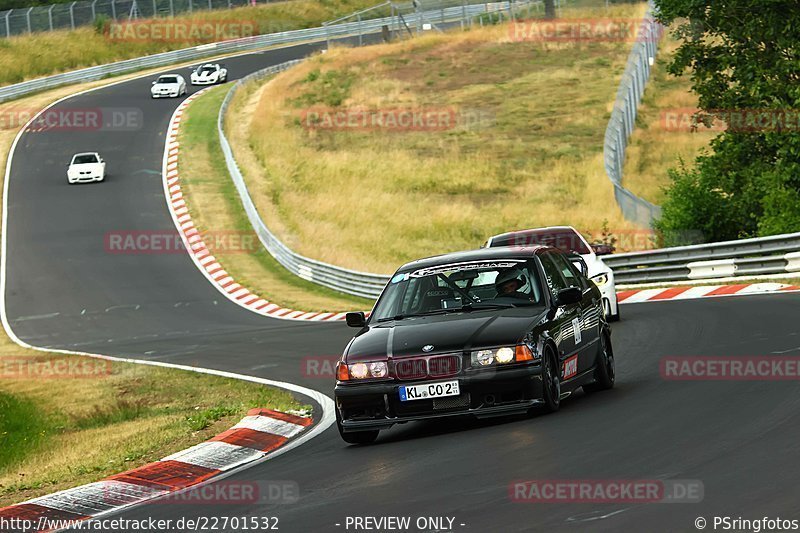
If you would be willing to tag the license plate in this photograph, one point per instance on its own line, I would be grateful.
(429, 390)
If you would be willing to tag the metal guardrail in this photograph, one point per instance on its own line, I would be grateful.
(323, 33)
(341, 279)
(623, 119)
(344, 280)
(746, 257)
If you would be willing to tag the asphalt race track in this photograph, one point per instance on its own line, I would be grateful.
(64, 290)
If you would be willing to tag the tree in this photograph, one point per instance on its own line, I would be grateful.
(743, 57)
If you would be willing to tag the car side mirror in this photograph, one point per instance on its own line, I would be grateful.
(603, 249)
(570, 295)
(356, 320)
(153, 83)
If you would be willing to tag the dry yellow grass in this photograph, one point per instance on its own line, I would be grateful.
(656, 146)
(215, 206)
(370, 200)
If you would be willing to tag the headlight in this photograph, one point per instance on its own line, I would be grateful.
(375, 369)
(600, 279)
(503, 355)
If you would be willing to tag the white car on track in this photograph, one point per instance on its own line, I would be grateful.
(168, 86)
(86, 167)
(570, 241)
(209, 74)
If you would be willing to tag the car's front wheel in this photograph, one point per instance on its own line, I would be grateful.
(551, 383)
(357, 437)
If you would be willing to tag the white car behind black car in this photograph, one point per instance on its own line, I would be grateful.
(168, 86)
(209, 74)
(86, 167)
(570, 241)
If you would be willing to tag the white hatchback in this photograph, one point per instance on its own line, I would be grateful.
(570, 241)
(86, 167)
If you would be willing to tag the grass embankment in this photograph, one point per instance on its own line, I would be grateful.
(662, 136)
(61, 431)
(215, 206)
(40, 54)
(526, 150)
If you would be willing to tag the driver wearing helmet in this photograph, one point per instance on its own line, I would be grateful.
(509, 282)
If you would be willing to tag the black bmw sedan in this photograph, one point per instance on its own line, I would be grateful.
(488, 332)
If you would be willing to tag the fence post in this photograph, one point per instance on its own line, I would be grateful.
(8, 25)
(72, 15)
(50, 16)
(28, 16)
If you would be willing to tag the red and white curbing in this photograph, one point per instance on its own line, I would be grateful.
(198, 250)
(258, 434)
(688, 292)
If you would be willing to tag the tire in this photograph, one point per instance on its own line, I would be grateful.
(551, 383)
(604, 373)
(358, 437)
(615, 318)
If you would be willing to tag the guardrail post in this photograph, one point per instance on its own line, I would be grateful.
(463, 13)
(72, 15)
(50, 16)
(327, 36)
(171, 9)
(155, 9)
(210, 7)
(360, 32)
(94, 13)
(190, 6)
(28, 17)
(8, 25)
(113, 9)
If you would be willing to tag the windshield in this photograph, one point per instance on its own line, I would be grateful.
(454, 287)
(566, 240)
(168, 79)
(83, 159)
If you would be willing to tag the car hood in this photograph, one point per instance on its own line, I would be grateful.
(595, 265)
(83, 167)
(205, 75)
(446, 333)
(166, 85)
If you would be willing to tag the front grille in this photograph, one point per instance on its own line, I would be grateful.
(451, 402)
(411, 368)
(435, 366)
(446, 365)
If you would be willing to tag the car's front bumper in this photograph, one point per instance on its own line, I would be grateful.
(488, 393)
(173, 94)
(204, 81)
(84, 178)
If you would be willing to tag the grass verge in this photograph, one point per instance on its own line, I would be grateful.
(59, 431)
(215, 208)
(524, 148)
